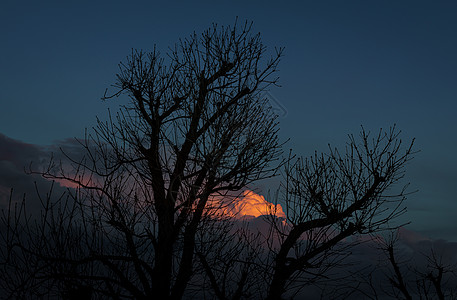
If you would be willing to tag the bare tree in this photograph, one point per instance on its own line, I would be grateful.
(397, 279)
(195, 126)
(400, 270)
(144, 220)
(330, 198)
(432, 279)
(232, 263)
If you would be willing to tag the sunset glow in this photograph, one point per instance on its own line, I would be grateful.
(66, 183)
(80, 181)
(250, 204)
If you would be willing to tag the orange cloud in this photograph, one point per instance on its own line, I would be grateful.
(250, 204)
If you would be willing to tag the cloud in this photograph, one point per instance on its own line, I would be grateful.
(17, 152)
(252, 205)
(15, 158)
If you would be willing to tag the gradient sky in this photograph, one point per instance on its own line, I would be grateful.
(346, 64)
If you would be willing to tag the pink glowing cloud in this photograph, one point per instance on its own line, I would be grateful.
(250, 204)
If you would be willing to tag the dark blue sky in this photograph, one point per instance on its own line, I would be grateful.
(346, 64)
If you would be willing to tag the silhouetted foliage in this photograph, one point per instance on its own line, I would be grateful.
(196, 126)
(401, 269)
(330, 200)
(331, 197)
(433, 278)
(144, 217)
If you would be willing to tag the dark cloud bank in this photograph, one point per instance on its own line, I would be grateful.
(17, 157)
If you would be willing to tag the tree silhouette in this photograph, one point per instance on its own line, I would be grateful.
(400, 269)
(330, 198)
(195, 126)
(145, 217)
(433, 279)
